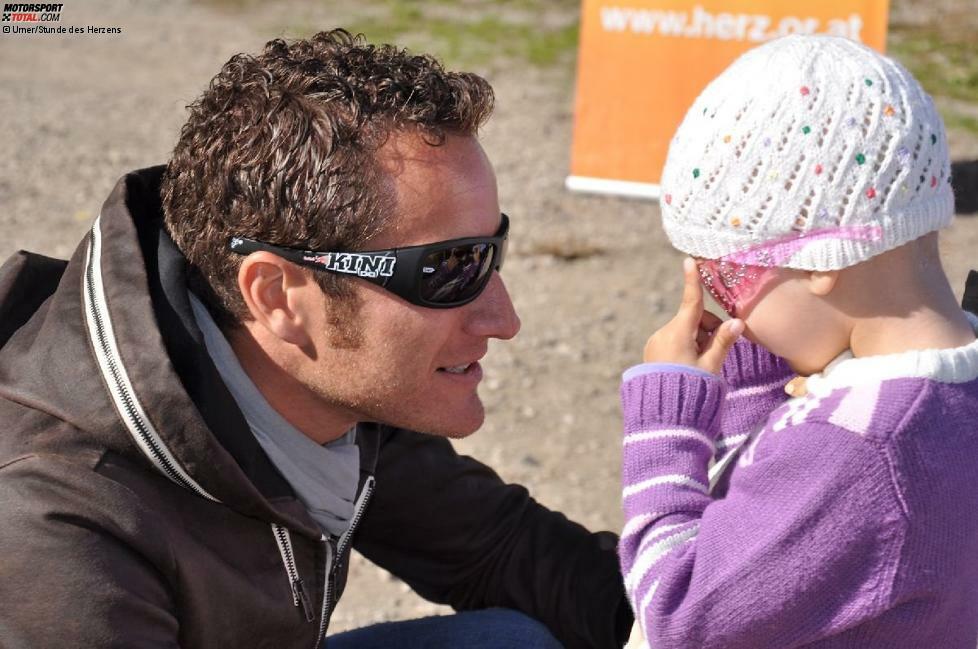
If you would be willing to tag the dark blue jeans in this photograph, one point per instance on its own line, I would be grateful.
(494, 628)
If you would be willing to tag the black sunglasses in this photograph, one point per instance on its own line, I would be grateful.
(439, 275)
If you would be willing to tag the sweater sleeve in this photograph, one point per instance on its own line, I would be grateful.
(804, 545)
(756, 380)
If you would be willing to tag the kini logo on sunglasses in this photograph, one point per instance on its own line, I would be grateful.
(354, 263)
(351, 263)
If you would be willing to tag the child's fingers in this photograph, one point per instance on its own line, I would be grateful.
(720, 343)
(691, 307)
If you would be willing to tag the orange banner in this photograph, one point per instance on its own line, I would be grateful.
(642, 63)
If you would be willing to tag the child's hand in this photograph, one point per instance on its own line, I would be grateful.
(694, 337)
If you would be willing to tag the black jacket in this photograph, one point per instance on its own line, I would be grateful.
(137, 510)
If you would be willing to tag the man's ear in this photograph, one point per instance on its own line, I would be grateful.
(821, 282)
(271, 288)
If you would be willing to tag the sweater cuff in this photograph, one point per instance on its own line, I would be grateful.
(648, 368)
(673, 399)
(750, 364)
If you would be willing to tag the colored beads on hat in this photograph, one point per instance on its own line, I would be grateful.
(668, 199)
(696, 173)
(839, 142)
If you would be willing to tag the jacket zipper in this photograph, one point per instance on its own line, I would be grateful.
(115, 375)
(361, 504)
(330, 574)
(325, 613)
(134, 416)
(299, 596)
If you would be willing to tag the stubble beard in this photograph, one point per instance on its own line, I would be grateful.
(391, 400)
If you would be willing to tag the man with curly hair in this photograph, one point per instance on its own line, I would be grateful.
(252, 365)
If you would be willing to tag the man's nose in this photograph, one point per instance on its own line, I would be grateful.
(492, 314)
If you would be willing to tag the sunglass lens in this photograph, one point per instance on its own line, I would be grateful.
(456, 274)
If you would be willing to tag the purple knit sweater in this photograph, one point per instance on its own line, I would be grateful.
(849, 517)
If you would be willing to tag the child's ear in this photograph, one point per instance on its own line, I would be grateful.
(821, 282)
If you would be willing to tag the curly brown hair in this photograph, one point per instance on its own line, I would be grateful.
(281, 148)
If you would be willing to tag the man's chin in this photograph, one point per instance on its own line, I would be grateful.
(455, 423)
(457, 434)
(458, 427)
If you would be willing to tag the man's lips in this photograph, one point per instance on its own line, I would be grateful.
(469, 374)
(470, 369)
(463, 366)
(458, 369)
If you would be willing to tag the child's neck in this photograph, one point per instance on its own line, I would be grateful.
(932, 326)
(901, 301)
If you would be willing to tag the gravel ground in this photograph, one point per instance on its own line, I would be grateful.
(80, 111)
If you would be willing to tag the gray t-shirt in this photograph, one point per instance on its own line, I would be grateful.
(324, 477)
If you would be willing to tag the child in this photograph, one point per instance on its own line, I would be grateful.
(808, 181)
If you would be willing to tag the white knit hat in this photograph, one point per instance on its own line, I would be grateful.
(816, 140)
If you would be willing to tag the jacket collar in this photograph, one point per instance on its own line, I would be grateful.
(168, 396)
